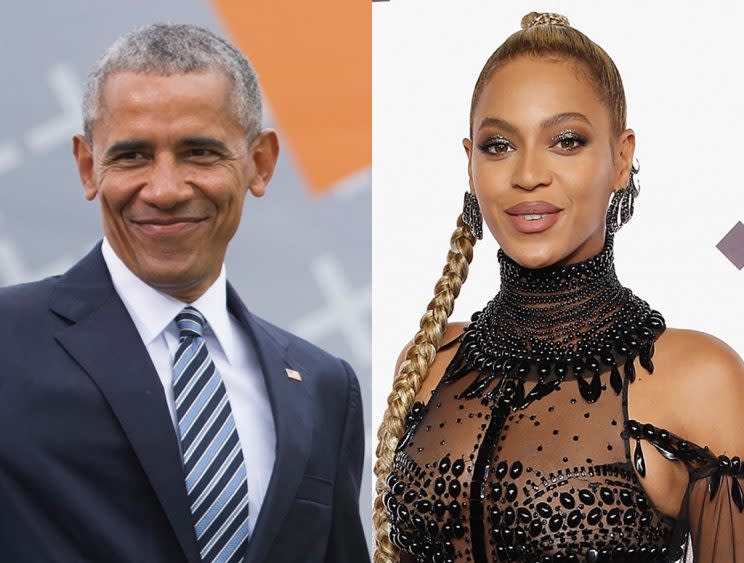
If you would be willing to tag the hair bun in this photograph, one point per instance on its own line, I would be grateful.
(544, 18)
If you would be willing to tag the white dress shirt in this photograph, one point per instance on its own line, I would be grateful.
(153, 313)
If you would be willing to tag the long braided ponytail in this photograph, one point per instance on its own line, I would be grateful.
(412, 372)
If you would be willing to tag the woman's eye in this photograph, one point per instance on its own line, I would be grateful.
(496, 146)
(570, 142)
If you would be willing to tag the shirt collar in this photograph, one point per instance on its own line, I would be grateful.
(152, 310)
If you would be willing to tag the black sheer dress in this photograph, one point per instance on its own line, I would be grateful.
(525, 451)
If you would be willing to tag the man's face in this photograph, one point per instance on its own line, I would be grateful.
(171, 166)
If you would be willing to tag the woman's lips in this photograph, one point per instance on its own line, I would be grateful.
(533, 216)
(527, 207)
(528, 223)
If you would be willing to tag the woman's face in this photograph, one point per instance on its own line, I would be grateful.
(543, 161)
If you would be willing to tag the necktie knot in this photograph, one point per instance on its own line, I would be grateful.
(190, 322)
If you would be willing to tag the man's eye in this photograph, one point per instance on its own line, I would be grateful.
(132, 155)
(201, 153)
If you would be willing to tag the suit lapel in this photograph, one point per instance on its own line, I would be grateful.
(289, 404)
(106, 344)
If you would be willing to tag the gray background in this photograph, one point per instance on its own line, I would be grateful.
(302, 262)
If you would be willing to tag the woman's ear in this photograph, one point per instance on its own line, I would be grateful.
(468, 145)
(625, 149)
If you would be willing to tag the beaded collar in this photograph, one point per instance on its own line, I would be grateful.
(548, 324)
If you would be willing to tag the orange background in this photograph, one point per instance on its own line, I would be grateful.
(314, 61)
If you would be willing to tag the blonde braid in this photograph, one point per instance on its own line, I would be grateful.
(411, 374)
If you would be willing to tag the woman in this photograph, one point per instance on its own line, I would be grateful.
(537, 432)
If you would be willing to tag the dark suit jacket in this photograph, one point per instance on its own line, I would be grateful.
(90, 468)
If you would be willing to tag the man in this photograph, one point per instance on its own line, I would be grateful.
(147, 415)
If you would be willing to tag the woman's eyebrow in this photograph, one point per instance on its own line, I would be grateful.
(561, 117)
(544, 124)
(497, 122)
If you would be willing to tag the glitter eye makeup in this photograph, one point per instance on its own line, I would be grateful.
(569, 135)
(495, 145)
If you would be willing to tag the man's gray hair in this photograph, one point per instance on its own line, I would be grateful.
(166, 49)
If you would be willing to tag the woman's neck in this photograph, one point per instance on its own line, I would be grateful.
(559, 304)
(551, 323)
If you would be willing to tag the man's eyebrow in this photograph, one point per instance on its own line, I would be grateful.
(203, 142)
(127, 145)
(544, 124)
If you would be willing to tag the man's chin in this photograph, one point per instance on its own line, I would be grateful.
(171, 275)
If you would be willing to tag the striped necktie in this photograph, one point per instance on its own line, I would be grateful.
(212, 458)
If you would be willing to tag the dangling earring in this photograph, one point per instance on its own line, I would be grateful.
(623, 200)
(471, 215)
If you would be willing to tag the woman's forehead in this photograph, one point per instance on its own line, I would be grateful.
(527, 90)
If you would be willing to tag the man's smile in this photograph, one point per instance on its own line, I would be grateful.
(165, 226)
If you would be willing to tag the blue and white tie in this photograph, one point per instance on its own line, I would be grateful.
(212, 457)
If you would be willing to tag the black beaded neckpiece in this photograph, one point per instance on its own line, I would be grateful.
(548, 324)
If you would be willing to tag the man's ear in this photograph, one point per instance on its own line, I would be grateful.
(264, 152)
(84, 157)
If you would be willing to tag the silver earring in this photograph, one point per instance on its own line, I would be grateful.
(622, 203)
(471, 215)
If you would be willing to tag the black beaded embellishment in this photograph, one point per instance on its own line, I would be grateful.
(551, 323)
(508, 477)
(674, 448)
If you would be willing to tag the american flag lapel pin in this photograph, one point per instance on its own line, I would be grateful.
(292, 374)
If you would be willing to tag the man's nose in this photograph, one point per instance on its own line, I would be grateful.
(166, 187)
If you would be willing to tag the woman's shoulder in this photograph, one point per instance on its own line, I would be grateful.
(697, 345)
(449, 338)
(698, 385)
(689, 410)
(452, 335)
(699, 362)
(444, 354)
